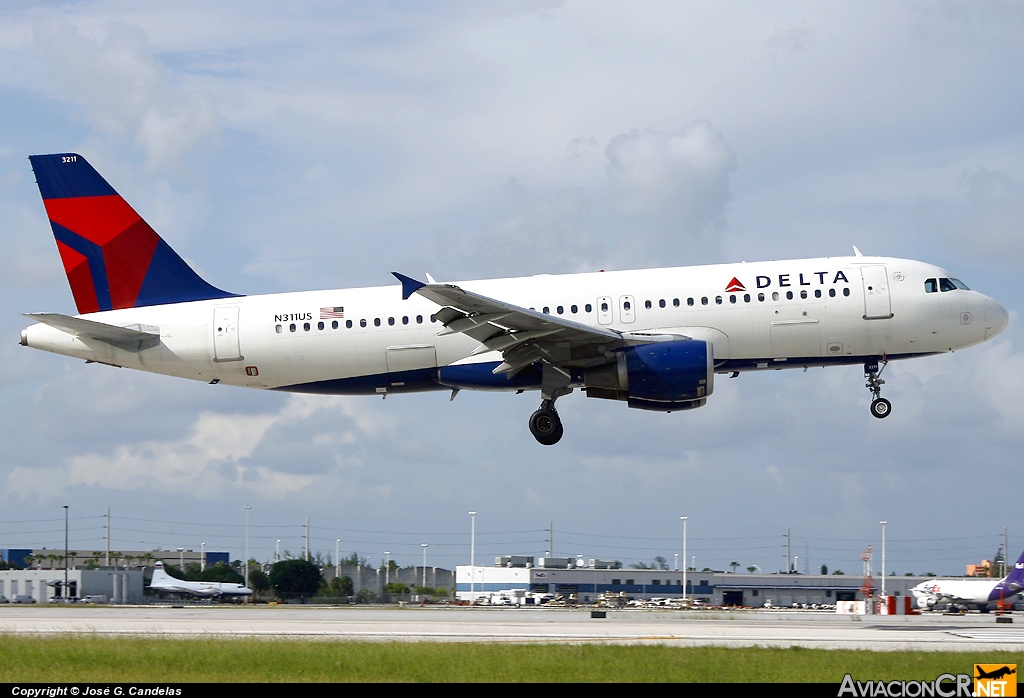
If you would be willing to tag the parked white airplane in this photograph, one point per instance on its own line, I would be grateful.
(653, 338)
(165, 582)
(973, 592)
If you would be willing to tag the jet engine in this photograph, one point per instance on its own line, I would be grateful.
(662, 376)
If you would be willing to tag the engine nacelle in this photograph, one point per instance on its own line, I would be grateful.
(662, 376)
(926, 601)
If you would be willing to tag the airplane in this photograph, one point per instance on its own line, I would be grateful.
(653, 338)
(973, 592)
(165, 582)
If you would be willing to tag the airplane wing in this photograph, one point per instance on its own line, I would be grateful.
(523, 336)
(134, 338)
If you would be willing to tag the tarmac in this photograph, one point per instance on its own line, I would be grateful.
(726, 628)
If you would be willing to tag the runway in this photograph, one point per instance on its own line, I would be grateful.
(512, 625)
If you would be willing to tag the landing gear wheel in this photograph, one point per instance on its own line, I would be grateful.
(546, 426)
(881, 408)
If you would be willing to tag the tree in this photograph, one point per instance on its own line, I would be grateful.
(751, 569)
(824, 569)
(661, 563)
(343, 586)
(734, 565)
(295, 578)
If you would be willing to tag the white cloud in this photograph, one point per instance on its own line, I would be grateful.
(129, 96)
(213, 457)
(677, 185)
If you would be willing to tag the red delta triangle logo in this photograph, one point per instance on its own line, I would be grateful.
(735, 285)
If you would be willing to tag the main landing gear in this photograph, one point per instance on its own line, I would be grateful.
(880, 407)
(545, 424)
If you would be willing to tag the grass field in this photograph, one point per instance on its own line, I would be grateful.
(103, 659)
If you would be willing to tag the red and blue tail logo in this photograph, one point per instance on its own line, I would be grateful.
(112, 257)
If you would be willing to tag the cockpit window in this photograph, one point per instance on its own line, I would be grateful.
(960, 284)
(952, 285)
(930, 286)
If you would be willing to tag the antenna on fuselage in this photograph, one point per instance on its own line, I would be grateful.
(856, 252)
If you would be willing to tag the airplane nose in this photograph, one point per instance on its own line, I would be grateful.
(996, 318)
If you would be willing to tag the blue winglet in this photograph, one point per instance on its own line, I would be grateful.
(409, 286)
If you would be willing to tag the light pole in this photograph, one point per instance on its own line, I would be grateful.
(181, 559)
(277, 551)
(202, 557)
(337, 559)
(387, 568)
(472, 556)
(64, 592)
(424, 546)
(683, 519)
(245, 562)
(883, 557)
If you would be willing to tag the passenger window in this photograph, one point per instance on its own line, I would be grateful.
(831, 293)
(718, 300)
(588, 307)
(419, 319)
(846, 291)
(817, 293)
(675, 302)
(560, 310)
(746, 297)
(348, 324)
(703, 300)
(319, 325)
(647, 305)
(334, 325)
(930, 286)
(405, 319)
(604, 307)
(546, 310)
(362, 323)
(626, 305)
(732, 298)
(574, 309)
(291, 327)
(789, 295)
(775, 296)
(278, 329)
(305, 326)
(760, 298)
(803, 294)
(689, 301)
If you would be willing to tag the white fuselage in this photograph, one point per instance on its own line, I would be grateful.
(789, 313)
(971, 592)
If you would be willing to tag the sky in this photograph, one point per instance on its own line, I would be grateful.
(282, 147)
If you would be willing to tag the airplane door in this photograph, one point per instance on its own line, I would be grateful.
(604, 310)
(225, 334)
(627, 309)
(877, 305)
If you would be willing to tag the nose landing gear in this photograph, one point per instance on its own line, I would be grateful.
(880, 407)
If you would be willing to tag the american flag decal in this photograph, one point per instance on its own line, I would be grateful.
(335, 312)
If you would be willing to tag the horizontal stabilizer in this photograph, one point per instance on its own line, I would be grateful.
(131, 338)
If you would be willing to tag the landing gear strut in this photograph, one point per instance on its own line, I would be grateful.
(545, 424)
(880, 407)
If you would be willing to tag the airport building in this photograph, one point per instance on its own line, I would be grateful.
(40, 586)
(587, 581)
(43, 557)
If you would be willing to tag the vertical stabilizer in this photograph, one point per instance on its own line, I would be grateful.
(113, 258)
